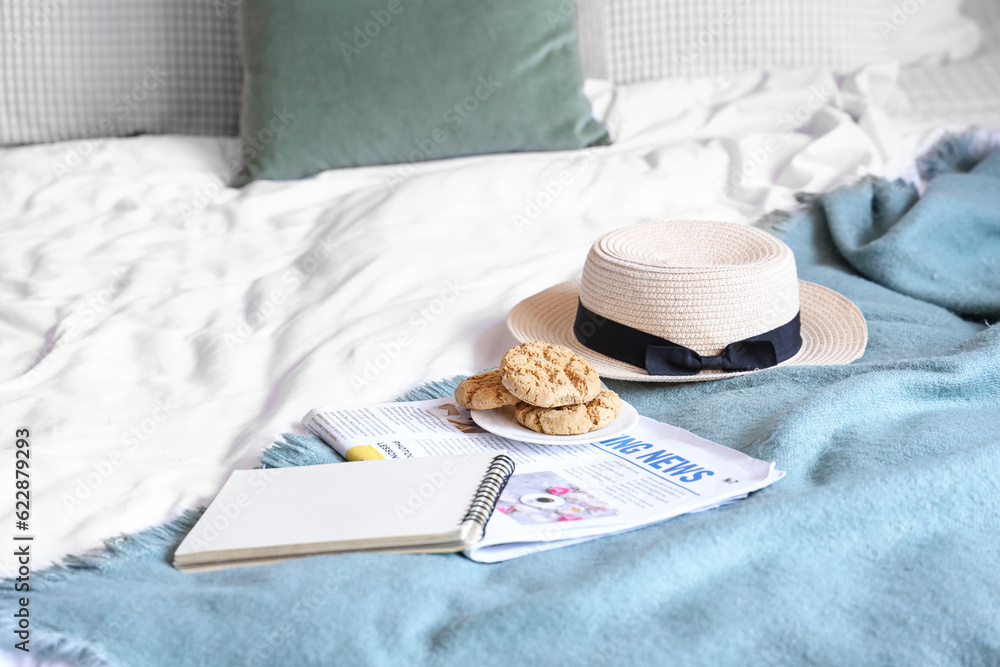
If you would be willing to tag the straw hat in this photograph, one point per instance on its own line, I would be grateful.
(685, 301)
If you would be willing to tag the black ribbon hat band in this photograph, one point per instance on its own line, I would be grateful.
(660, 356)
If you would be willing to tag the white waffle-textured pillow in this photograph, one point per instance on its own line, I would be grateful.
(636, 40)
(73, 69)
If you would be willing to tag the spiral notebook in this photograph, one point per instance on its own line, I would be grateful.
(428, 504)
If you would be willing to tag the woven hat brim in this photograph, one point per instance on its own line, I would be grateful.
(833, 332)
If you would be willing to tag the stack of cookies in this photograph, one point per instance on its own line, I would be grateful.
(552, 389)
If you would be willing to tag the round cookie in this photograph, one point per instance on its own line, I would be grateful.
(570, 419)
(549, 376)
(484, 391)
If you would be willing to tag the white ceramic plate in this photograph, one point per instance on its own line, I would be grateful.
(501, 422)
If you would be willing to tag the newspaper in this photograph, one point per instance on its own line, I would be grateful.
(558, 495)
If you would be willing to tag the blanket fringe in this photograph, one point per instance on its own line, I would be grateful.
(954, 152)
(781, 220)
(436, 389)
(297, 450)
(48, 644)
(957, 152)
(150, 540)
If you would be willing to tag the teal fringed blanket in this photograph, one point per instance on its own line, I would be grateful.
(882, 546)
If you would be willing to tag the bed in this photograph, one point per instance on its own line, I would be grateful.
(160, 330)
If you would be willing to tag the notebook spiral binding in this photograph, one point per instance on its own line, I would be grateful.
(494, 481)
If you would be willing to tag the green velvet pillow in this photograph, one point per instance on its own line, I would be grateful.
(344, 83)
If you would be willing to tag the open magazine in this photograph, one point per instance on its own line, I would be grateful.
(558, 495)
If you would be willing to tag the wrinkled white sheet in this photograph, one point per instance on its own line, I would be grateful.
(157, 330)
(966, 92)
